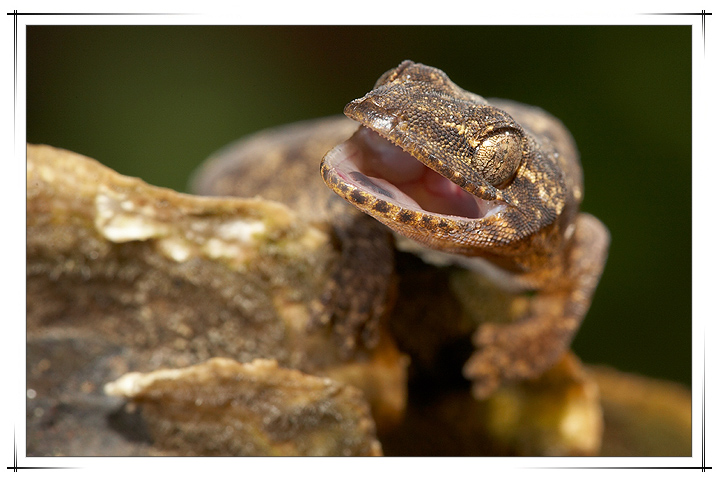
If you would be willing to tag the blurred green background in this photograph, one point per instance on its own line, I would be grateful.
(154, 101)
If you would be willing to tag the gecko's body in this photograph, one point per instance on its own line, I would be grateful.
(492, 186)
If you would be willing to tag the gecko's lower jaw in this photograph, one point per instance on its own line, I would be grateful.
(373, 165)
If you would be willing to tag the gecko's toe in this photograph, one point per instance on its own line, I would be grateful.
(512, 352)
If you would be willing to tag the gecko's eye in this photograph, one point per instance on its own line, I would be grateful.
(497, 157)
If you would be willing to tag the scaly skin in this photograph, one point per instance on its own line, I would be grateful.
(510, 207)
(523, 165)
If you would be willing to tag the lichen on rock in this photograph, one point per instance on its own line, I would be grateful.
(222, 407)
(160, 279)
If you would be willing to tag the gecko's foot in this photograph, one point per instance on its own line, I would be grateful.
(515, 351)
(360, 291)
(353, 311)
(524, 349)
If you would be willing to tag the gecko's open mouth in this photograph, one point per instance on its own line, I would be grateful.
(373, 165)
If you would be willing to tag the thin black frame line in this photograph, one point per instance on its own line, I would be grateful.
(623, 467)
(99, 13)
(703, 13)
(15, 15)
(685, 13)
(14, 82)
(15, 467)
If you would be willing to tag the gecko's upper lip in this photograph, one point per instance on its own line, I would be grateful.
(372, 164)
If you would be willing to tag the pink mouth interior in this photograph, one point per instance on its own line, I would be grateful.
(373, 164)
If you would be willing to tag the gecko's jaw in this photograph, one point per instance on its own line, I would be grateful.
(371, 165)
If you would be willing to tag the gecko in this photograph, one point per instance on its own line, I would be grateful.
(422, 165)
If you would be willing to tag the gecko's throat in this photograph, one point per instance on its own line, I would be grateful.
(375, 166)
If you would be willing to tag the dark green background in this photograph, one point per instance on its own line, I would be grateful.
(154, 101)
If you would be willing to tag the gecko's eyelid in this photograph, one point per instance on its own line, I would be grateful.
(498, 157)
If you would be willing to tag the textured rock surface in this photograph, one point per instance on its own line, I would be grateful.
(123, 277)
(256, 409)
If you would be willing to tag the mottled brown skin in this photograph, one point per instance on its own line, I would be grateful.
(539, 238)
(419, 109)
(518, 160)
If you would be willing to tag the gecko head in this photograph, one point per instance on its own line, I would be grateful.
(432, 161)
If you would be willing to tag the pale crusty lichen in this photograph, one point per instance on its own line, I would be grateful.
(228, 408)
(161, 253)
(167, 280)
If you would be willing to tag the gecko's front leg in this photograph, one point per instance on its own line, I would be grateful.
(526, 347)
(493, 181)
